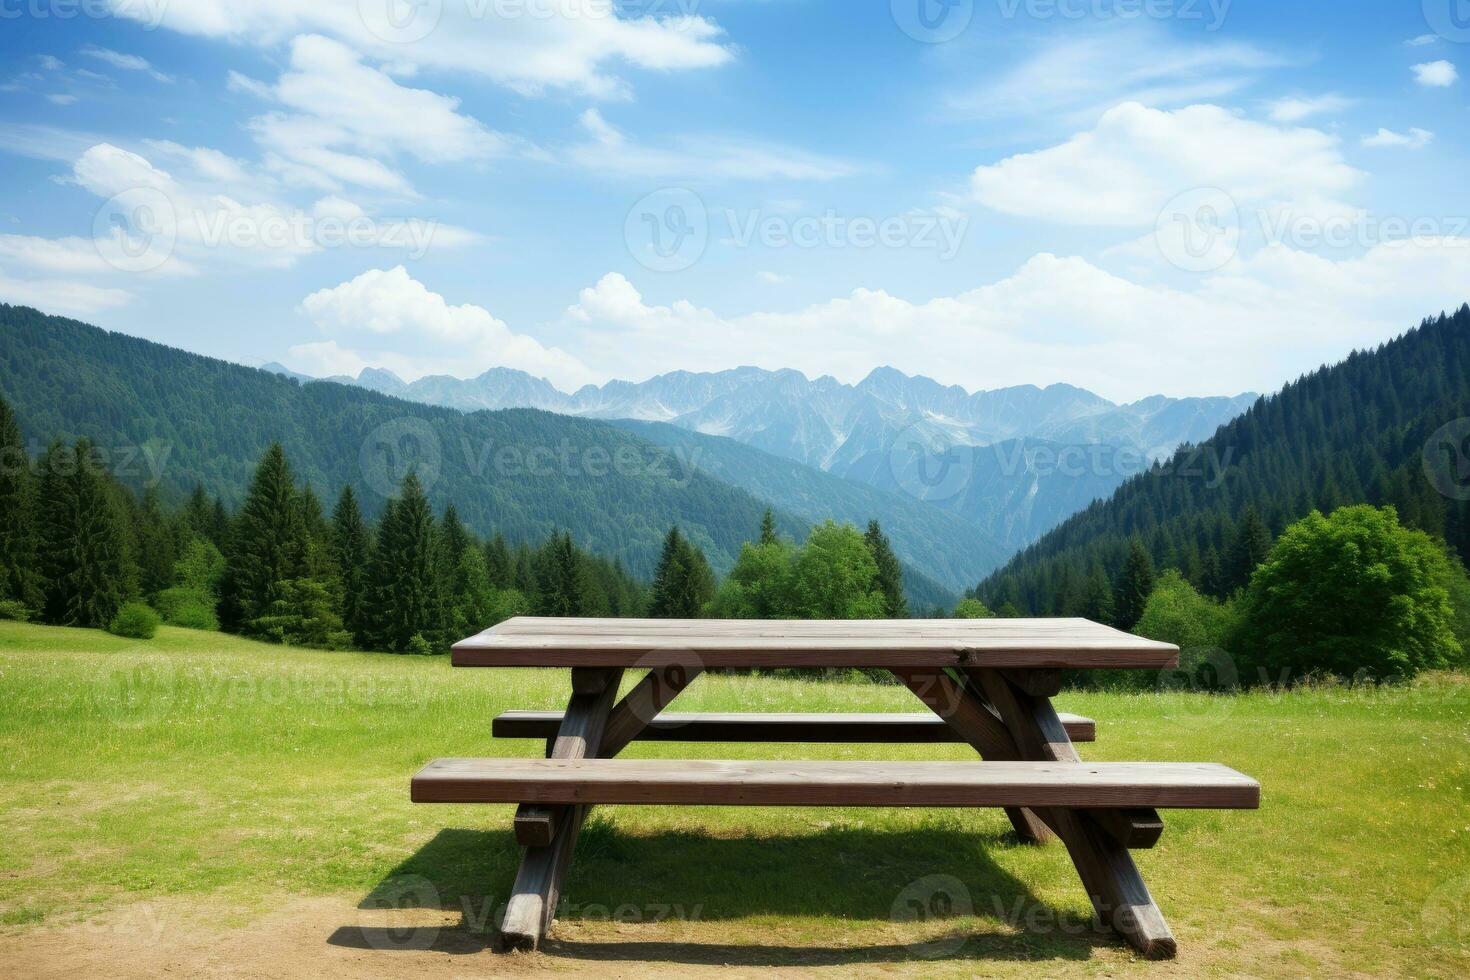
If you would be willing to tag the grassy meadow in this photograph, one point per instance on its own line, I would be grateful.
(213, 782)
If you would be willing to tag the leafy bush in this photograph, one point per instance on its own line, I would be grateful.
(1350, 594)
(972, 609)
(11, 609)
(188, 607)
(134, 620)
(1175, 613)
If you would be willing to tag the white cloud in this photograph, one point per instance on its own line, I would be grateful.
(384, 303)
(1073, 80)
(1414, 139)
(558, 45)
(1422, 40)
(61, 296)
(699, 158)
(61, 99)
(50, 62)
(774, 278)
(344, 113)
(126, 62)
(1057, 319)
(1294, 109)
(1124, 170)
(1436, 74)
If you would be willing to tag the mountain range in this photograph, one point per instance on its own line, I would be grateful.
(1012, 461)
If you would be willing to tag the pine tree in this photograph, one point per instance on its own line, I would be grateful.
(499, 565)
(83, 551)
(561, 587)
(17, 515)
(1135, 586)
(683, 584)
(890, 573)
(1097, 601)
(768, 528)
(1249, 547)
(351, 551)
(153, 545)
(268, 544)
(405, 577)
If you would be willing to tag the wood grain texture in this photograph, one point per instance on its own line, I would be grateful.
(1136, 830)
(797, 783)
(1111, 879)
(537, 887)
(895, 728)
(1011, 643)
(978, 725)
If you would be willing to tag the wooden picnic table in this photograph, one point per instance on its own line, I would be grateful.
(988, 683)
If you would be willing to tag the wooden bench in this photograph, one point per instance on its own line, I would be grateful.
(888, 728)
(1095, 785)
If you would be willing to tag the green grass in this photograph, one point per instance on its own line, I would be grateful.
(203, 767)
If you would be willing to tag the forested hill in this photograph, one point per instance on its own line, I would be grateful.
(165, 414)
(1359, 431)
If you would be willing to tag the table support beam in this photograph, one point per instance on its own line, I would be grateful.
(978, 725)
(1113, 883)
(537, 887)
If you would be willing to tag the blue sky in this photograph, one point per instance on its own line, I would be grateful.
(1178, 196)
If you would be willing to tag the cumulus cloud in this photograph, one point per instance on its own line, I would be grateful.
(1057, 318)
(1125, 169)
(383, 303)
(534, 46)
(1436, 74)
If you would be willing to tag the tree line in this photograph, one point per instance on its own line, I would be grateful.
(78, 548)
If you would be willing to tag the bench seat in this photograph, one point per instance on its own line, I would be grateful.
(1101, 785)
(880, 727)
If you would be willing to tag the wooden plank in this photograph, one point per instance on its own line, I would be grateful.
(886, 728)
(1113, 883)
(1022, 644)
(804, 783)
(1038, 683)
(537, 887)
(977, 725)
(1137, 829)
(650, 696)
(574, 737)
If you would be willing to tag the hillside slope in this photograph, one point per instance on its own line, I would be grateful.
(1385, 426)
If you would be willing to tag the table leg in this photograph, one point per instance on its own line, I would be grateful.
(533, 898)
(1118, 893)
(978, 725)
(593, 727)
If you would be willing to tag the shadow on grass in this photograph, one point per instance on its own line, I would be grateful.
(675, 880)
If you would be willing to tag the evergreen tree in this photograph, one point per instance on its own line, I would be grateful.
(890, 573)
(409, 607)
(768, 528)
(17, 515)
(1249, 548)
(268, 544)
(683, 584)
(561, 586)
(351, 550)
(1097, 602)
(499, 564)
(153, 548)
(83, 551)
(1134, 587)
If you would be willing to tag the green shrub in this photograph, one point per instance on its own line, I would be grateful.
(11, 609)
(134, 620)
(1352, 594)
(972, 609)
(188, 607)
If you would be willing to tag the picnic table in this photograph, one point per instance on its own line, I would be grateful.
(988, 683)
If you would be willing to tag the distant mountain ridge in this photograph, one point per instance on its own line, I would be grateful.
(890, 430)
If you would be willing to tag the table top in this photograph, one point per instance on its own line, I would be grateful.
(527, 641)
